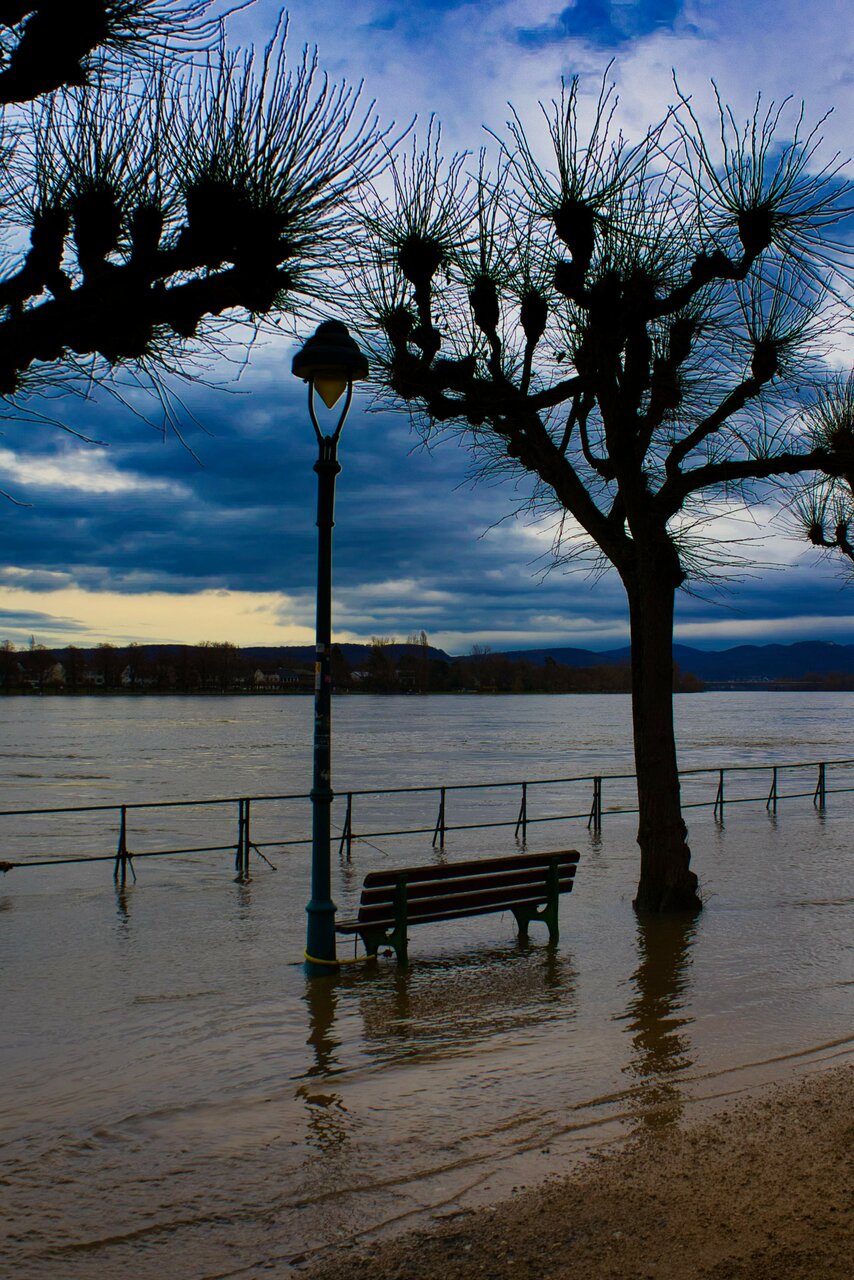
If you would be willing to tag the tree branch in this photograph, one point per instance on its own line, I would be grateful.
(117, 316)
(539, 454)
(737, 399)
(674, 492)
(704, 270)
(555, 395)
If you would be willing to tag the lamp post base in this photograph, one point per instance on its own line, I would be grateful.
(320, 955)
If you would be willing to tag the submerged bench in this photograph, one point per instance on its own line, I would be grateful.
(528, 884)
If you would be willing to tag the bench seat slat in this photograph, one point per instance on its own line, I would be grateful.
(450, 906)
(452, 870)
(464, 884)
(353, 926)
(416, 907)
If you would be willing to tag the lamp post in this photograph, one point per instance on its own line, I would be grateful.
(330, 362)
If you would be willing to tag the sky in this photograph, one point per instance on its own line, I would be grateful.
(142, 539)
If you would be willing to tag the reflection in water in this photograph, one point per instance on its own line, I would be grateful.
(123, 900)
(445, 1004)
(326, 1115)
(243, 897)
(350, 876)
(321, 998)
(422, 1015)
(661, 1048)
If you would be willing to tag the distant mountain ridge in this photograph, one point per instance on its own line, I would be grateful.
(743, 662)
(746, 663)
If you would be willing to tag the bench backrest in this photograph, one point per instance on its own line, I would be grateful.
(451, 890)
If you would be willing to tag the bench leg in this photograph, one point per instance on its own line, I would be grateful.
(396, 938)
(372, 940)
(548, 913)
(400, 942)
(522, 921)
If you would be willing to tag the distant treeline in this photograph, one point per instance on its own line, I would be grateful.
(381, 667)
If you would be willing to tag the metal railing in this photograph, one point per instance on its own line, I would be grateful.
(593, 812)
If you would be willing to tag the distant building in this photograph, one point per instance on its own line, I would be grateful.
(266, 680)
(131, 679)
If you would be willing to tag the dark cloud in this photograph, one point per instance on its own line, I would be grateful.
(34, 580)
(604, 22)
(14, 622)
(153, 518)
(244, 518)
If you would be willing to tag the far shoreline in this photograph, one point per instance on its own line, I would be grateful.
(711, 687)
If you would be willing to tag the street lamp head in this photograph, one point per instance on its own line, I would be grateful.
(330, 361)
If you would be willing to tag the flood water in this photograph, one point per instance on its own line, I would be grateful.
(178, 1100)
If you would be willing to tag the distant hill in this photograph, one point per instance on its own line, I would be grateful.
(355, 655)
(745, 662)
(768, 661)
(809, 662)
(287, 655)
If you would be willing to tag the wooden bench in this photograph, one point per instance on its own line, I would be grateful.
(528, 884)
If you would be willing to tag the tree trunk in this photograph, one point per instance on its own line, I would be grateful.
(667, 883)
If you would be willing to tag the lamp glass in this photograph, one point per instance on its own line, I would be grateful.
(330, 387)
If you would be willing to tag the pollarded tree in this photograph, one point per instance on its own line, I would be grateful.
(633, 327)
(826, 507)
(161, 182)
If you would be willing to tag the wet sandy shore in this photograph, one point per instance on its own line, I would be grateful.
(761, 1191)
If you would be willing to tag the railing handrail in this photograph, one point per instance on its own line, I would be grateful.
(424, 788)
(123, 857)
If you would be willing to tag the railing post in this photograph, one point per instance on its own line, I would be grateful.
(594, 822)
(123, 858)
(347, 834)
(241, 856)
(247, 839)
(821, 788)
(719, 798)
(439, 832)
(522, 820)
(771, 802)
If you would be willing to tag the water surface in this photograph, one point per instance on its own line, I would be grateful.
(178, 1100)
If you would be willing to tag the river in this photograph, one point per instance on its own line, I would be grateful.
(178, 1100)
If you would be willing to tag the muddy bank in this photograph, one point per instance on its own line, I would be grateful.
(761, 1191)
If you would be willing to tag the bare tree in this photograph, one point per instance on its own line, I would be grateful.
(634, 327)
(825, 508)
(156, 187)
